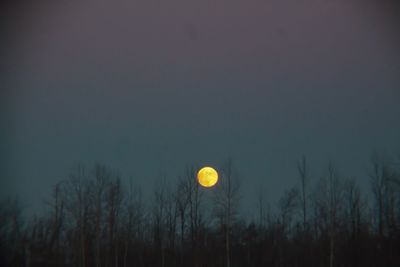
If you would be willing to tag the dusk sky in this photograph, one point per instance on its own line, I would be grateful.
(148, 87)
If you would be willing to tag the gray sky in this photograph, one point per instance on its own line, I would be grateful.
(147, 87)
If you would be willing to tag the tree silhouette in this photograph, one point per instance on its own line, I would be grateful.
(95, 219)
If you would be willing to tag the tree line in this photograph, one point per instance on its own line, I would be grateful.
(94, 219)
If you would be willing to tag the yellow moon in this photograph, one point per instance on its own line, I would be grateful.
(207, 177)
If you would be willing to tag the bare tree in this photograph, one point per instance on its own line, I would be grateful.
(263, 209)
(190, 203)
(171, 216)
(335, 199)
(288, 205)
(226, 203)
(158, 219)
(100, 182)
(75, 197)
(182, 199)
(134, 218)
(56, 220)
(11, 230)
(354, 206)
(189, 198)
(379, 178)
(114, 199)
(303, 170)
(328, 200)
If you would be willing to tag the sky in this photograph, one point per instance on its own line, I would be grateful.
(149, 86)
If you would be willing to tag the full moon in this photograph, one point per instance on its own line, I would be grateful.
(207, 177)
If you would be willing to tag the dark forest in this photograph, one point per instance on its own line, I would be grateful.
(95, 219)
